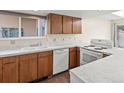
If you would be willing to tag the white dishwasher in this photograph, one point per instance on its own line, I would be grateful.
(60, 60)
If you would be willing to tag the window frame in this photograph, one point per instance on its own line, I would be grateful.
(29, 37)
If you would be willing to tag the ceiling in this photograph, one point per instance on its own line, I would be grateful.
(106, 14)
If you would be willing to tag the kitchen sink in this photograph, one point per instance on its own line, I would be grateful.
(29, 48)
(34, 48)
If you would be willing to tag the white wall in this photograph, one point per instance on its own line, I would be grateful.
(96, 28)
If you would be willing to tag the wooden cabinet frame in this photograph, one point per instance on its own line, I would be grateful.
(28, 67)
(74, 57)
(61, 24)
(45, 64)
(55, 24)
(67, 25)
(10, 69)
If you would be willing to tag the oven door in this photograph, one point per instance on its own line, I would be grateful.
(88, 56)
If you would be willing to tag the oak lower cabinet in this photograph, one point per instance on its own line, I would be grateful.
(45, 64)
(78, 56)
(74, 59)
(10, 70)
(28, 68)
(0, 70)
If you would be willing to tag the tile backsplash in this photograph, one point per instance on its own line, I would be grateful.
(49, 40)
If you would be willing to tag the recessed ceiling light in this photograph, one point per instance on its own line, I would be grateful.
(119, 13)
(99, 10)
(35, 10)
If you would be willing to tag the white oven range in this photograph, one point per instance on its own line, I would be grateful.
(87, 56)
(91, 52)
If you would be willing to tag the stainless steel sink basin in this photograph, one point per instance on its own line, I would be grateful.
(29, 48)
(34, 48)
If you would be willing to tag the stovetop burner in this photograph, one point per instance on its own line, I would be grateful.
(99, 44)
(95, 47)
(104, 47)
(90, 46)
(98, 48)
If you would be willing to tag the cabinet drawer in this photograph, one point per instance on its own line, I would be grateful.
(0, 58)
(32, 56)
(43, 54)
(7, 60)
(72, 49)
(28, 56)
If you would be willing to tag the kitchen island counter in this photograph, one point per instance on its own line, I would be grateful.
(106, 70)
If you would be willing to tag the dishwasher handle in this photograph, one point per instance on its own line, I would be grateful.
(61, 51)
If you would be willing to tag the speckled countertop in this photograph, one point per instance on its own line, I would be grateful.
(106, 70)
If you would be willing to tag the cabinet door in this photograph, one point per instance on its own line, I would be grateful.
(56, 24)
(45, 66)
(28, 68)
(77, 25)
(78, 56)
(72, 58)
(33, 69)
(0, 70)
(24, 71)
(10, 70)
(67, 25)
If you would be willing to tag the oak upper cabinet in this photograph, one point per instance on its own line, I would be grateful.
(77, 25)
(61, 24)
(10, 70)
(28, 68)
(0, 70)
(67, 25)
(45, 64)
(54, 24)
(74, 60)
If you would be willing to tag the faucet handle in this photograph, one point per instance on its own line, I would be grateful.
(40, 43)
(34, 45)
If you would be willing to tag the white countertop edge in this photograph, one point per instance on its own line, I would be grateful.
(77, 76)
(117, 58)
(22, 52)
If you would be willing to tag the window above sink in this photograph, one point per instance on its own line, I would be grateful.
(19, 27)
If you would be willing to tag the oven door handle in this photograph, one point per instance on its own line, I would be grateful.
(93, 54)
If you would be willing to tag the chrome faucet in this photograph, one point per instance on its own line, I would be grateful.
(34, 45)
(40, 43)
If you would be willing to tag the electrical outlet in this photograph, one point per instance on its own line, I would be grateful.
(54, 40)
(12, 42)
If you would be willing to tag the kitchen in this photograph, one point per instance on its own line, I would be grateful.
(61, 46)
